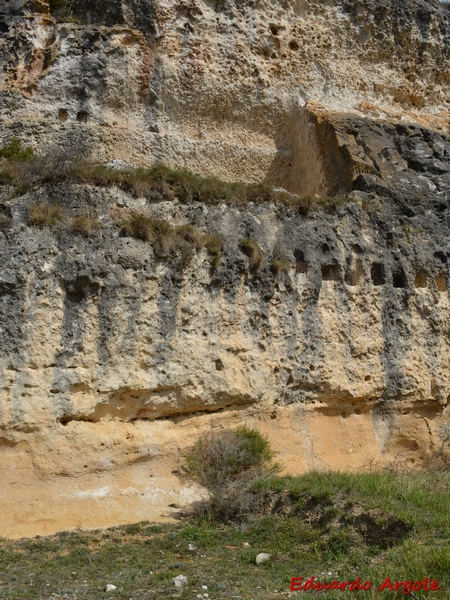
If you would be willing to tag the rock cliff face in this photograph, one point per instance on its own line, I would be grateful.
(114, 360)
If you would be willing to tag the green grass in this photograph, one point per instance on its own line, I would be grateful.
(142, 559)
(14, 153)
(25, 171)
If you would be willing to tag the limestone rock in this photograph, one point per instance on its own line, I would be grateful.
(112, 360)
(180, 581)
(262, 558)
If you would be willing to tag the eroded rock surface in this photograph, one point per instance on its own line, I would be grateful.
(113, 360)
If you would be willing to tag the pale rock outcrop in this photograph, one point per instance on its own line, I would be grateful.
(112, 360)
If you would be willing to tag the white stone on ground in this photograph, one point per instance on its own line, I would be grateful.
(262, 558)
(179, 581)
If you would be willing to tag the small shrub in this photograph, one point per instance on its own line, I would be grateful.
(5, 221)
(439, 460)
(61, 10)
(14, 153)
(85, 226)
(138, 226)
(168, 240)
(219, 458)
(444, 433)
(214, 245)
(333, 203)
(279, 266)
(251, 249)
(229, 464)
(44, 215)
(190, 235)
(280, 261)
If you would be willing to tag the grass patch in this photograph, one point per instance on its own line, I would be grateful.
(170, 241)
(85, 226)
(251, 249)
(44, 215)
(26, 171)
(142, 559)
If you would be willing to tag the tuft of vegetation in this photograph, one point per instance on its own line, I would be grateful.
(251, 249)
(44, 215)
(280, 261)
(26, 171)
(440, 459)
(85, 226)
(214, 245)
(279, 265)
(228, 464)
(13, 152)
(169, 241)
(140, 227)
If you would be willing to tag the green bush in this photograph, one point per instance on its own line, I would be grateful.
(229, 463)
(14, 153)
(220, 457)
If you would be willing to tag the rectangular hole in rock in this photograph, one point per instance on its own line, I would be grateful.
(420, 280)
(82, 117)
(378, 274)
(331, 273)
(441, 282)
(399, 279)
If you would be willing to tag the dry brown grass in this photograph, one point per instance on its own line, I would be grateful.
(26, 171)
(279, 265)
(85, 226)
(44, 215)
(251, 249)
(171, 241)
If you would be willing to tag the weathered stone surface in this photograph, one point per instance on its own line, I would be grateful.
(217, 86)
(112, 360)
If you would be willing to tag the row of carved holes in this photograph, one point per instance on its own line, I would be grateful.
(378, 276)
(82, 116)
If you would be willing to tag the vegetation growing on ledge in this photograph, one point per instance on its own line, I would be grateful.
(44, 215)
(85, 225)
(251, 249)
(25, 171)
(14, 153)
(168, 240)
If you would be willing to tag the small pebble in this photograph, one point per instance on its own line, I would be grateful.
(192, 547)
(179, 581)
(110, 588)
(262, 558)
